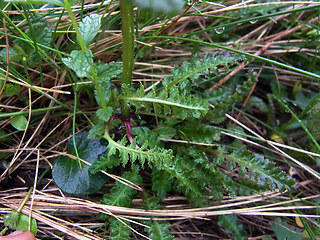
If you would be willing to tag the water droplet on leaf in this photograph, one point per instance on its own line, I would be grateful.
(254, 21)
(219, 30)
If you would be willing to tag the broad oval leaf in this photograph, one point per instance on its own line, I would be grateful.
(89, 27)
(19, 122)
(67, 174)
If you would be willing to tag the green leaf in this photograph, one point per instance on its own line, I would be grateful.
(198, 132)
(89, 27)
(163, 6)
(104, 114)
(168, 102)
(19, 122)
(313, 121)
(229, 222)
(284, 232)
(11, 90)
(166, 131)
(19, 221)
(52, 2)
(105, 72)
(122, 195)
(159, 230)
(4, 136)
(104, 162)
(118, 230)
(261, 170)
(161, 182)
(154, 156)
(40, 33)
(191, 70)
(14, 54)
(66, 171)
(80, 62)
(97, 130)
(145, 134)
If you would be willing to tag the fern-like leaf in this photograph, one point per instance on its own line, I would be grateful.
(229, 222)
(191, 69)
(121, 195)
(167, 102)
(197, 132)
(104, 162)
(145, 134)
(259, 169)
(161, 182)
(118, 230)
(159, 230)
(224, 100)
(153, 155)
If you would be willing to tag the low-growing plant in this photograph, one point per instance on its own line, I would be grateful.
(137, 128)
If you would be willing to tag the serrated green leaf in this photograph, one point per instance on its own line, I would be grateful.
(104, 114)
(159, 230)
(145, 134)
(52, 2)
(40, 33)
(229, 222)
(14, 54)
(260, 169)
(198, 132)
(89, 27)
(97, 130)
(166, 131)
(19, 122)
(154, 156)
(122, 195)
(118, 230)
(105, 72)
(168, 102)
(80, 62)
(66, 171)
(19, 221)
(104, 162)
(190, 70)
(161, 182)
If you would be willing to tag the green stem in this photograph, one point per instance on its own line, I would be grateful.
(126, 7)
(67, 6)
(98, 87)
(74, 129)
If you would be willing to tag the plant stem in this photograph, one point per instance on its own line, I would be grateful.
(67, 6)
(98, 87)
(126, 7)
